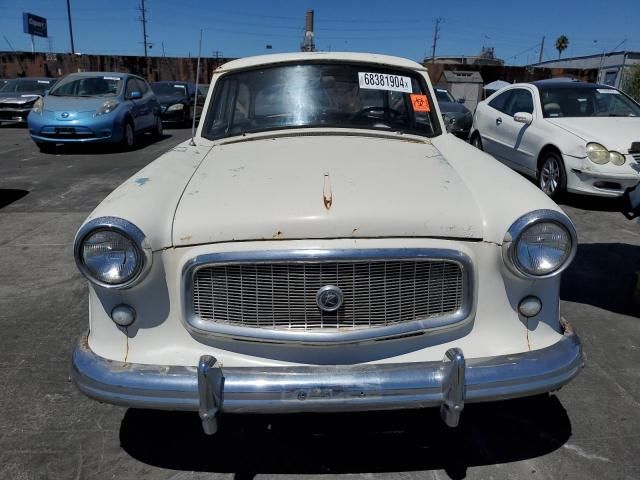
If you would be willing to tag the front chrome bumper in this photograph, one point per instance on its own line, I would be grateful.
(209, 389)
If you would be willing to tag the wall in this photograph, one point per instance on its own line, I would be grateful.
(55, 65)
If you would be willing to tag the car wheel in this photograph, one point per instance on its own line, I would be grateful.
(186, 121)
(476, 141)
(46, 147)
(128, 136)
(157, 130)
(552, 178)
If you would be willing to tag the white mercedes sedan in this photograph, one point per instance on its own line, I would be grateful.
(569, 136)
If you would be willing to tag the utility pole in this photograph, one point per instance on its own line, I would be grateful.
(541, 50)
(436, 30)
(70, 27)
(143, 19)
(217, 54)
(144, 26)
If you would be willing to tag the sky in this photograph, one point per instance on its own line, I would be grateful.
(400, 27)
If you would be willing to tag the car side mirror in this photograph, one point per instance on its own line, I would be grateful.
(523, 117)
(461, 100)
(135, 95)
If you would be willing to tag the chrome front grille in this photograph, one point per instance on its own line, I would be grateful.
(636, 157)
(281, 295)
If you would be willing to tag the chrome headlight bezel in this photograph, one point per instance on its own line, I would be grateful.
(124, 228)
(513, 235)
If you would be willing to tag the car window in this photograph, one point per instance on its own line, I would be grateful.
(500, 102)
(87, 86)
(141, 86)
(131, 87)
(586, 101)
(320, 95)
(521, 100)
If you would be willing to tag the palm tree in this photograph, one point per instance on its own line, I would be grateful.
(561, 44)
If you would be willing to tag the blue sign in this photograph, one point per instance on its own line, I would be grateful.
(34, 25)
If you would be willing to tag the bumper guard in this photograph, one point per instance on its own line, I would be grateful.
(210, 389)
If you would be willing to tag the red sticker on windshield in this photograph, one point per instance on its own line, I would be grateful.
(419, 103)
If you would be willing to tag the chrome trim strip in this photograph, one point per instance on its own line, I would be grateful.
(124, 227)
(515, 230)
(200, 328)
(336, 388)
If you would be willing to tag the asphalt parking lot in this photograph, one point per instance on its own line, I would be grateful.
(48, 430)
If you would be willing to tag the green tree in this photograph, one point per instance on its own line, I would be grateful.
(632, 82)
(562, 42)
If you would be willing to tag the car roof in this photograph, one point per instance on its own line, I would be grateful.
(49, 79)
(566, 83)
(173, 82)
(386, 60)
(106, 74)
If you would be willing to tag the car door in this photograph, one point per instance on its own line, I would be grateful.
(488, 118)
(513, 138)
(147, 104)
(136, 104)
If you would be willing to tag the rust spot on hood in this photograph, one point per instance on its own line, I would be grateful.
(277, 235)
(327, 195)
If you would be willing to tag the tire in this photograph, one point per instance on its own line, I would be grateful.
(476, 141)
(46, 147)
(186, 122)
(128, 136)
(552, 177)
(157, 130)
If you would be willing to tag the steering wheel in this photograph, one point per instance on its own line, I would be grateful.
(393, 112)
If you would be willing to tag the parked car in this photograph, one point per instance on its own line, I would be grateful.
(457, 117)
(177, 100)
(204, 90)
(574, 136)
(323, 247)
(95, 107)
(18, 95)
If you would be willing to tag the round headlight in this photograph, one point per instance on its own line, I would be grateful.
(540, 244)
(597, 153)
(110, 252)
(616, 158)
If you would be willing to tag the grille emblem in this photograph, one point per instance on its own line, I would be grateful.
(329, 298)
(64, 114)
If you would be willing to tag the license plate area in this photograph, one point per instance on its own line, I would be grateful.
(65, 130)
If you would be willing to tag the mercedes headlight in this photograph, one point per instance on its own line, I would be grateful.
(616, 158)
(540, 244)
(37, 106)
(174, 107)
(111, 252)
(108, 106)
(597, 153)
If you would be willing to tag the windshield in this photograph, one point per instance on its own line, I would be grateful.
(320, 95)
(98, 86)
(586, 102)
(444, 96)
(173, 89)
(37, 87)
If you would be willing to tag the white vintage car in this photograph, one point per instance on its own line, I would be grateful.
(323, 245)
(574, 136)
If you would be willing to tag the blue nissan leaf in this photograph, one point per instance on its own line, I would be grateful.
(95, 107)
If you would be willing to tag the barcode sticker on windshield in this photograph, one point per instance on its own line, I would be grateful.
(384, 81)
(112, 78)
(608, 90)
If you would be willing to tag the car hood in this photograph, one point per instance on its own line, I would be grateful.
(451, 107)
(19, 98)
(615, 133)
(170, 99)
(74, 104)
(297, 187)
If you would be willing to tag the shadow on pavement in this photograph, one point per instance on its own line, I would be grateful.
(142, 141)
(603, 275)
(591, 203)
(410, 440)
(9, 195)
